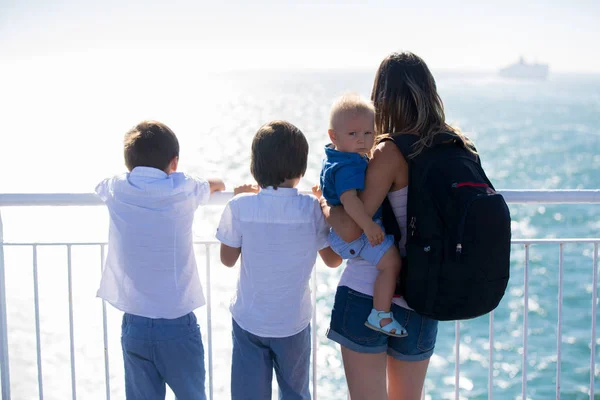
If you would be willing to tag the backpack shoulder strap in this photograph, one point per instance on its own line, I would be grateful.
(444, 137)
(404, 142)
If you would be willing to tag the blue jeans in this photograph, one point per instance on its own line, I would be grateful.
(347, 327)
(254, 358)
(159, 351)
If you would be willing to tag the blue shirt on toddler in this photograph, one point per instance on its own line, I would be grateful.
(341, 172)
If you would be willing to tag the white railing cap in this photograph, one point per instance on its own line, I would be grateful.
(515, 196)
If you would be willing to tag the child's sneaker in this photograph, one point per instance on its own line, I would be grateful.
(374, 319)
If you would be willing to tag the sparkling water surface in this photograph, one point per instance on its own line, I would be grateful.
(62, 132)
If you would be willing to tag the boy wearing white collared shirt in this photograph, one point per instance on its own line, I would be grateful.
(150, 270)
(278, 233)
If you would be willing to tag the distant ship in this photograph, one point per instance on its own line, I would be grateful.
(522, 70)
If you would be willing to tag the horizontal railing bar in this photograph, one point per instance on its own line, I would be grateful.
(555, 241)
(49, 199)
(565, 196)
(204, 242)
(53, 244)
(543, 196)
(78, 199)
(211, 242)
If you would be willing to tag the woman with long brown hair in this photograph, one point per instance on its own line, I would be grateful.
(406, 103)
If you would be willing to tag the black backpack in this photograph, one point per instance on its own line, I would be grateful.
(458, 246)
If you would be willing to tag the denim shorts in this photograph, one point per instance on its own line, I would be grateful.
(347, 327)
(361, 247)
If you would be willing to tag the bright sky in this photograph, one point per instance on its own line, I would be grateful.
(471, 34)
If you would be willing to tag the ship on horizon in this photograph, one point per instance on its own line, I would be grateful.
(523, 70)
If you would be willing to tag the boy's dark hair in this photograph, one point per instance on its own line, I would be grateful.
(279, 152)
(150, 144)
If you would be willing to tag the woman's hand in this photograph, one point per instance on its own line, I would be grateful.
(246, 189)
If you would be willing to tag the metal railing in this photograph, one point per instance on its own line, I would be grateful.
(511, 196)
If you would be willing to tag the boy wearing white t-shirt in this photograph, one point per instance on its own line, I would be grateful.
(278, 232)
(150, 271)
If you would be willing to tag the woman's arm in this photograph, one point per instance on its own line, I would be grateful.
(355, 208)
(341, 222)
(381, 173)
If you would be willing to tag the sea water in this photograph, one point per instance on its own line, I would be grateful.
(62, 131)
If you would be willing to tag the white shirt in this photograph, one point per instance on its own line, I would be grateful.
(280, 232)
(150, 268)
(359, 274)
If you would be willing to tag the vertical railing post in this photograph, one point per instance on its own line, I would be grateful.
(208, 322)
(559, 327)
(314, 332)
(491, 365)
(38, 339)
(525, 326)
(105, 333)
(457, 360)
(4, 367)
(71, 323)
(594, 301)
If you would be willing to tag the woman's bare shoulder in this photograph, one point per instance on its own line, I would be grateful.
(387, 151)
(388, 157)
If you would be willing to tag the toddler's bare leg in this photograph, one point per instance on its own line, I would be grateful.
(385, 284)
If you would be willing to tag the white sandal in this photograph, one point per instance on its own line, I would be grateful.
(375, 318)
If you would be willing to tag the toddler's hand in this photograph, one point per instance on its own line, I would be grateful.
(375, 234)
(246, 189)
(317, 191)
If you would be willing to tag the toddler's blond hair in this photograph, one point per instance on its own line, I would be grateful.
(349, 103)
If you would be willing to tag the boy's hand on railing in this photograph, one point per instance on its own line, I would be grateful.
(316, 190)
(216, 185)
(246, 189)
